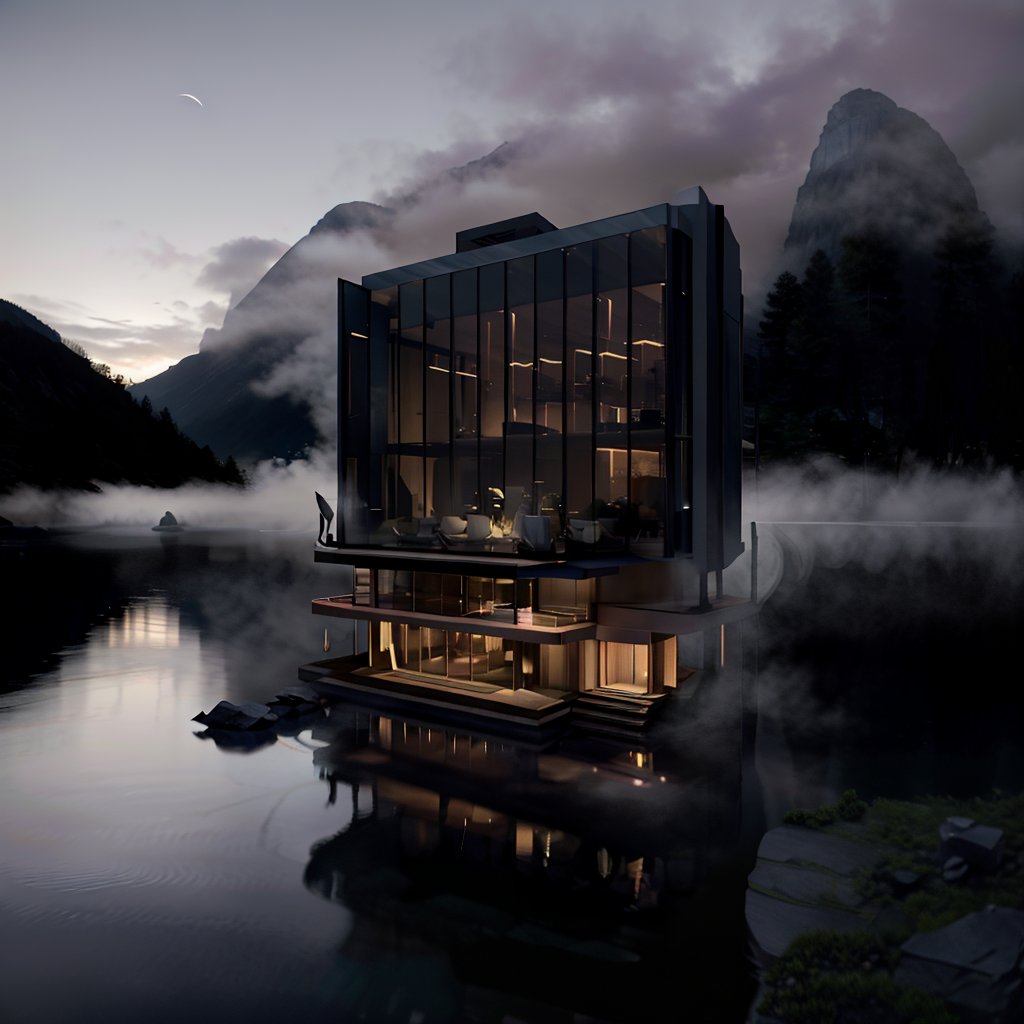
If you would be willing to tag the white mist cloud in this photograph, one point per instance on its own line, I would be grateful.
(235, 266)
(825, 514)
(279, 497)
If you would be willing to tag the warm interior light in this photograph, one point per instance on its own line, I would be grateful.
(356, 334)
(464, 373)
(440, 369)
(525, 366)
(614, 355)
(648, 341)
(552, 362)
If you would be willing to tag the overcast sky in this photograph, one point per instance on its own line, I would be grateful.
(130, 216)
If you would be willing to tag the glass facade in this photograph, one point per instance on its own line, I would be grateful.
(567, 395)
(534, 387)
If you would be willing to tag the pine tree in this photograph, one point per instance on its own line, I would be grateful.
(782, 306)
(967, 368)
(872, 366)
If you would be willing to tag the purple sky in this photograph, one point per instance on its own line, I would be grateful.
(132, 216)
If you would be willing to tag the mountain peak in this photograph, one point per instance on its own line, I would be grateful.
(877, 167)
(351, 217)
(859, 103)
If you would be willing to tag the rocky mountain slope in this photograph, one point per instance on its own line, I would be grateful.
(285, 329)
(878, 167)
(213, 395)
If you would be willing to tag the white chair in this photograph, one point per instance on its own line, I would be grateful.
(453, 529)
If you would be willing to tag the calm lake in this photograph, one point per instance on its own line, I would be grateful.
(370, 865)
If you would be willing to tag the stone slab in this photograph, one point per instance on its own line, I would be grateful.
(774, 923)
(989, 942)
(793, 844)
(805, 884)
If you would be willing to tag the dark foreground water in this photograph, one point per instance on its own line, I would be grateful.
(380, 867)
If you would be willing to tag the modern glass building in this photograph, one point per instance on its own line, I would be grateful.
(521, 421)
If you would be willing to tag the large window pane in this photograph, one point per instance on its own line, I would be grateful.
(647, 390)
(648, 327)
(550, 382)
(410, 410)
(437, 354)
(612, 330)
(465, 377)
(611, 464)
(464, 354)
(492, 350)
(579, 332)
(519, 427)
(354, 413)
(386, 299)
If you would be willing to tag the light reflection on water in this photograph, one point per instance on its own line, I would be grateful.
(374, 865)
(144, 874)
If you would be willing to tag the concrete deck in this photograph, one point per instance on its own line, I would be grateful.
(533, 708)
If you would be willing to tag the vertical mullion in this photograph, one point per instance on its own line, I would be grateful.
(451, 397)
(505, 377)
(397, 341)
(423, 397)
(479, 412)
(565, 402)
(535, 375)
(342, 410)
(594, 376)
(629, 390)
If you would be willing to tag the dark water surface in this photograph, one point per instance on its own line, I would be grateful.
(368, 866)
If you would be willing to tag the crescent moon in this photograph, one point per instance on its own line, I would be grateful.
(189, 96)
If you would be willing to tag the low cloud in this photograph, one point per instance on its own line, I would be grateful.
(280, 497)
(590, 118)
(164, 255)
(632, 114)
(825, 514)
(237, 265)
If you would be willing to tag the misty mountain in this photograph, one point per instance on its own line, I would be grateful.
(247, 390)
(878, 167)
(63, 424)
(892, 332)
(214, 395)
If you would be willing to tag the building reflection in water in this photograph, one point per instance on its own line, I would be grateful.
(577, 874)
(149, 623)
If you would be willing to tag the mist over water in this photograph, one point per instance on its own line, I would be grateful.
(279, 496)
(148, 873)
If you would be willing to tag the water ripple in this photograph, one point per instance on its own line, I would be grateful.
(137, 877)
